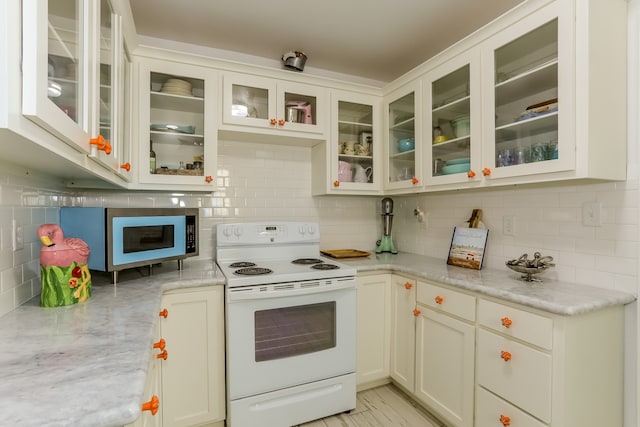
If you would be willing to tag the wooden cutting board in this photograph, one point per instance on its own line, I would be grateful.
(345, 253)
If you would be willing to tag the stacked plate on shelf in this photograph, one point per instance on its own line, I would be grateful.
(456, 166)
(177, 87)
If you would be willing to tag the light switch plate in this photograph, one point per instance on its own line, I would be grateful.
(592, 214)
(509, 225)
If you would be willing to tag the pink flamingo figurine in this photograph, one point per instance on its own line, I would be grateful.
(58, 250)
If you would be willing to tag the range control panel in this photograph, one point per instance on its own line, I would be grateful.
(259, 233)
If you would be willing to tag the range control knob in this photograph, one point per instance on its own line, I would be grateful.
(311, 229)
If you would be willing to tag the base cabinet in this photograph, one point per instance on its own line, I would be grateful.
(193, 380)
(403, 331)
(373, 320)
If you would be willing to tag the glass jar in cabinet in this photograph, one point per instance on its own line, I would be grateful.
(177, 125)
(523, 136)
(403, 145)
(454, 153)
(269, 104)
(354, 150)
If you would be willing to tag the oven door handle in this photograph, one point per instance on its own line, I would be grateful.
(255, 292)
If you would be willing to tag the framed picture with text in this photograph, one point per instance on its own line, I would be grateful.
(467, 247)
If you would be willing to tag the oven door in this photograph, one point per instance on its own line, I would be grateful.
(285, 339)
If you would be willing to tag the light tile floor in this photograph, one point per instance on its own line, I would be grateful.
(384, 406)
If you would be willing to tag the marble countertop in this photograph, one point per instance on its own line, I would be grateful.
(86, 364)
(549, 295)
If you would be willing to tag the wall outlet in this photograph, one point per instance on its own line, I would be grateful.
(17, 236)
(592, 214)
(509, 225)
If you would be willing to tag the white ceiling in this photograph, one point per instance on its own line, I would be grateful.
(374, 39)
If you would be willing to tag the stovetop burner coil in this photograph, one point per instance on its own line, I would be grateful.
(242, 264)
(252, 271)
(324, 266)
(306, 261)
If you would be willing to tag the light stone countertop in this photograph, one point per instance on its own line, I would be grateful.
(86, 364)
(552, 296)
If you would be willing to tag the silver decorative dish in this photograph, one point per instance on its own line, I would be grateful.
(529, 267)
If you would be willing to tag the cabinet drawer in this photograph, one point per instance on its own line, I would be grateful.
(491, 411)
(516, 372)
(447, 300)
(535, 329)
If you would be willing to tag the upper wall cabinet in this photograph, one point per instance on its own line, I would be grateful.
(177, 144)
(265, 105)
(73, 71)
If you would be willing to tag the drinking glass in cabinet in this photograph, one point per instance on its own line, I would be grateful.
(526, 98)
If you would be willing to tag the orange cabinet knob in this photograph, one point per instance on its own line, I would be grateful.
(160, 344)
(486, 171)
(415, 180)
(281, 122)
(505, 355)
(152, 405)
(438, 299)
(273, 122)
(506, 421)
(471, 174)
(126, 166)
(408, 285)
(107, 148)
(336, 183)
(163, 355)
(164, 313)
(99, 142)
(506, 322)
(416, 312)
(208, 179)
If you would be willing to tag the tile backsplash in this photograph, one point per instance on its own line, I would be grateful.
(270, 182)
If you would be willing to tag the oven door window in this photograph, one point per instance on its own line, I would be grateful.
(292, 331)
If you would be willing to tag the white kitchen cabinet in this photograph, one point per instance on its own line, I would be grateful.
(73, 75)
(445, 349)
(350, 161)
(403, 331)
(193, 379)
(548, 370)
(177, 123)
(403, 148)
(373, 326)
(266, 105)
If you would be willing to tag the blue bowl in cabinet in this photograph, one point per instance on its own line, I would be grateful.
(406, 144)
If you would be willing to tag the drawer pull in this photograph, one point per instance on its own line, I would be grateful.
(506, 421)
(152, 405)
(408, 285)
(438, 299)
(506, 322)
(164, 313)
(506, 356)
(162, 355)
(160, 344)
(273, 122)
(416, 312)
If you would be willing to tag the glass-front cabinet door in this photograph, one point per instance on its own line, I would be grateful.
(272, 104)
(403, 148)
(355, 157)
(452, 91)
(178, 142)
(524, 136)
(56, 41)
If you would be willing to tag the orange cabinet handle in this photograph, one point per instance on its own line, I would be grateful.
(471, 174)
(416, 312)
(164, 313)
(281, 122)
(506, 421)
(486, 171)
(273, 122)
(415, 180)
(152, 405)
(99, 142)
(107, 148)
(408, 285)
(438, 299)
(126, 166)
(160, 344)
(162, 355)
(506, 322)
(208, 179)
(505, 355)
(336, 183)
